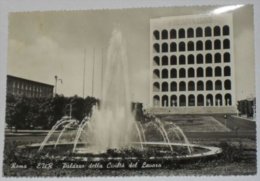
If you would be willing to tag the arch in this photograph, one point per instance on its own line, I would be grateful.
(209, 85)
(199, 32)
(191, 86)
(218, 100)
(208, 58)
(225, 30)
(226, 57)
(208, 45)
(191, 100)
(191, 59)
(165, 74)
(173, 73)
(209, 72)
(164, 34)
(182, 100)
(173, 101)
(173, 34)
(190, 46)
(209, 99)
(226, 44)
(200, 100)
(165, 101)
(216, 31)
(190, 33)
(217, 58)
(218, 72)
(182, 73)
(156, 87)
(156, 35)
(199, 59)
(173, 47)
(181, 33)
(191, 72)
(156, 74)
(200, 72)
(228, 100)
(156, 61)
(199, 45)
(218, 85)
(182, 86)
(227, 71)
(182, 47)
(165, 87)
(164, 47)
(207, 31)
(200, 86)
(217, 44)
(182, 60)
(156, 48)
(227, 85)
(164, 60)
(156, 100)
(173, 86)
(173, 60)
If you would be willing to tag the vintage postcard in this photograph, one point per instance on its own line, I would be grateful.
(159, 91)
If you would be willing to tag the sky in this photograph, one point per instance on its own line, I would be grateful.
(44, 44)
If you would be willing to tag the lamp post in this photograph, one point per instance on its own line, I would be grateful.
(56, 84)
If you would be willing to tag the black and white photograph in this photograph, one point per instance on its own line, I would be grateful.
(149, 91)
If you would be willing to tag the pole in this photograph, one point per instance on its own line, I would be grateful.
(84, 72)
(55, 89)
(102, 60)
(93, 72)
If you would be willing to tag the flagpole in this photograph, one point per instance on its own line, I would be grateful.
(84, 72)
(93, 72)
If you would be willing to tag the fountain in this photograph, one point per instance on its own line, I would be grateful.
(112, 126)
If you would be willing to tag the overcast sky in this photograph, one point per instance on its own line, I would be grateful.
(45, 44)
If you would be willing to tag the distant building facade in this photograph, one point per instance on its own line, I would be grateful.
(23, 87)
(192, 64)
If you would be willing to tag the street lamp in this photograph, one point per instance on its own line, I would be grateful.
(56, 84)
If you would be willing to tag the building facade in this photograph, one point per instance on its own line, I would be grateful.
(23, 87)
(192, 64)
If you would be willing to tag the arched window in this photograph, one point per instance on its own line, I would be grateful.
(200, 72)
(182, 73)
(226, 57)
(181, 33)
(182, 86)
(200, 100)
(207, 31)
(182, 60)
(208, 45)
(190, 33)
(228, 100)
(209, 85)
(156, 48)
(217, 44)
(156, 87)
(218, 72)
(173, 34)
(208, 58)
(227, 85)
(156, 60)
(199, 59)
(218, 85)
(164, 34)
(190, 46)
(227, 71)
(182, 100)
(199, 32)
(173, 60)
(164, 47)
(191, 99)
(216, 31)
(217, 58)
(173, 100)
(156, 100)
(165, 74)
(173, 73)
(156, 74)
(173, 47)
(218, 100)
(200, 86)
(164, 60)
(173, 86)
(226, 44)
(190, 59)
(190, 72)
(199, 45)
(165, 101)
(156, 35)
(165, 87)
(209, 100)
(209, 72)
(182, 46)
(226, 30)
(191, 86)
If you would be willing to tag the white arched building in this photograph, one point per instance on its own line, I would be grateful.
(192, 64)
